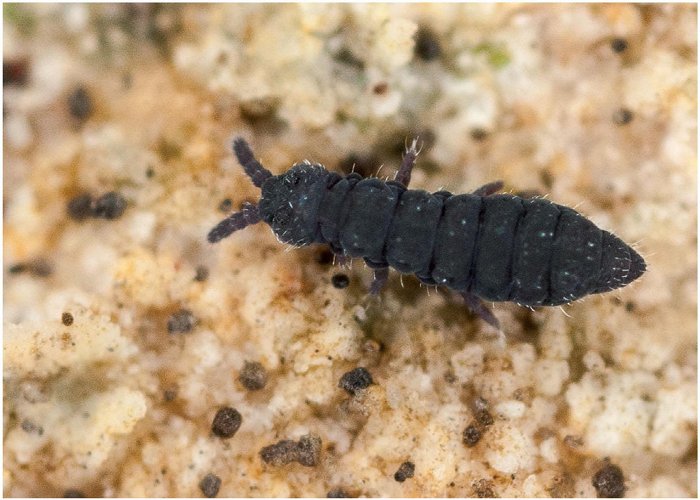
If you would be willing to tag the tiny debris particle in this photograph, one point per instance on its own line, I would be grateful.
(182, 321)
(253, 376)
(201, 273)
(110, 206)
(80, 103)
(609, 482)
(478, 134)
(307, 451)
(427, 45)
(73, 494)
(380, 88)
(67, 319)
(210, 485)
(406, 471)
(226, 422)
(483, 417)
(356, 379)
(471, 435)
(169, 394)
(15, 72)
(484, 489)
(150, 173)
(226, 205)
(337, 493)
(80, 207)
(622, 116)
(280, 453)
(31, 428)
(618, 45)
(340, 280)
(40, 268)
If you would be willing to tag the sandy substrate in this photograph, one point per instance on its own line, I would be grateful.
(594, 106)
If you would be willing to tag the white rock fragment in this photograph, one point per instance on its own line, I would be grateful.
(509, 450)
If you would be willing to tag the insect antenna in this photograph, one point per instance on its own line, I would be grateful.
(248, 215)
(253, 168)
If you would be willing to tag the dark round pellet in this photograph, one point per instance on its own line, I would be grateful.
(622, 116)
(80, 207)
(354, 380)
(427, 45)
(281, 453)
(226, 422)
(202, 273)
(67, 319)
(182, 321)
(253, 376)
(226, 205)
(471, 435)
(210, 485)
(609, 482)
(110, 205)
(80, 103)
(340, 280)
(406, 471)
(618, 45)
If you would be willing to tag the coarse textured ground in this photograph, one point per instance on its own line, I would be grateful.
(593, 105)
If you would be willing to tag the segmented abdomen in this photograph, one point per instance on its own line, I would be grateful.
(498, 247)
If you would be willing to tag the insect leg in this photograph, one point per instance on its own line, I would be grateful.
(252, 167)
(381, 274)
(477, 307)
(248, 215)
(409, 160)
(490, 188)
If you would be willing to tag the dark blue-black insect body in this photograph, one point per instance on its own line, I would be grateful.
(496, 247)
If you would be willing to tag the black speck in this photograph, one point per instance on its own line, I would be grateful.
(427, 44)
(345, 56)
(478, 134)
(150, 173)
(15, 72)
(226, 422)
(31, 428)
(202, 273)
(71, 493)
(340, 280)
(169, 394)
(80, 207)
(354, 380)
(253, 376)
(622, 116)
(406, 471)
(110, 206)
(80, 103)
(618, 45)
(337, 493)
(471, 435)
(226, 205)
(629, 306)
(40, 268)
(210, 485)
(380, 88)
(609, 482)
(483, 417)
(182, 321)
(67, 319)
